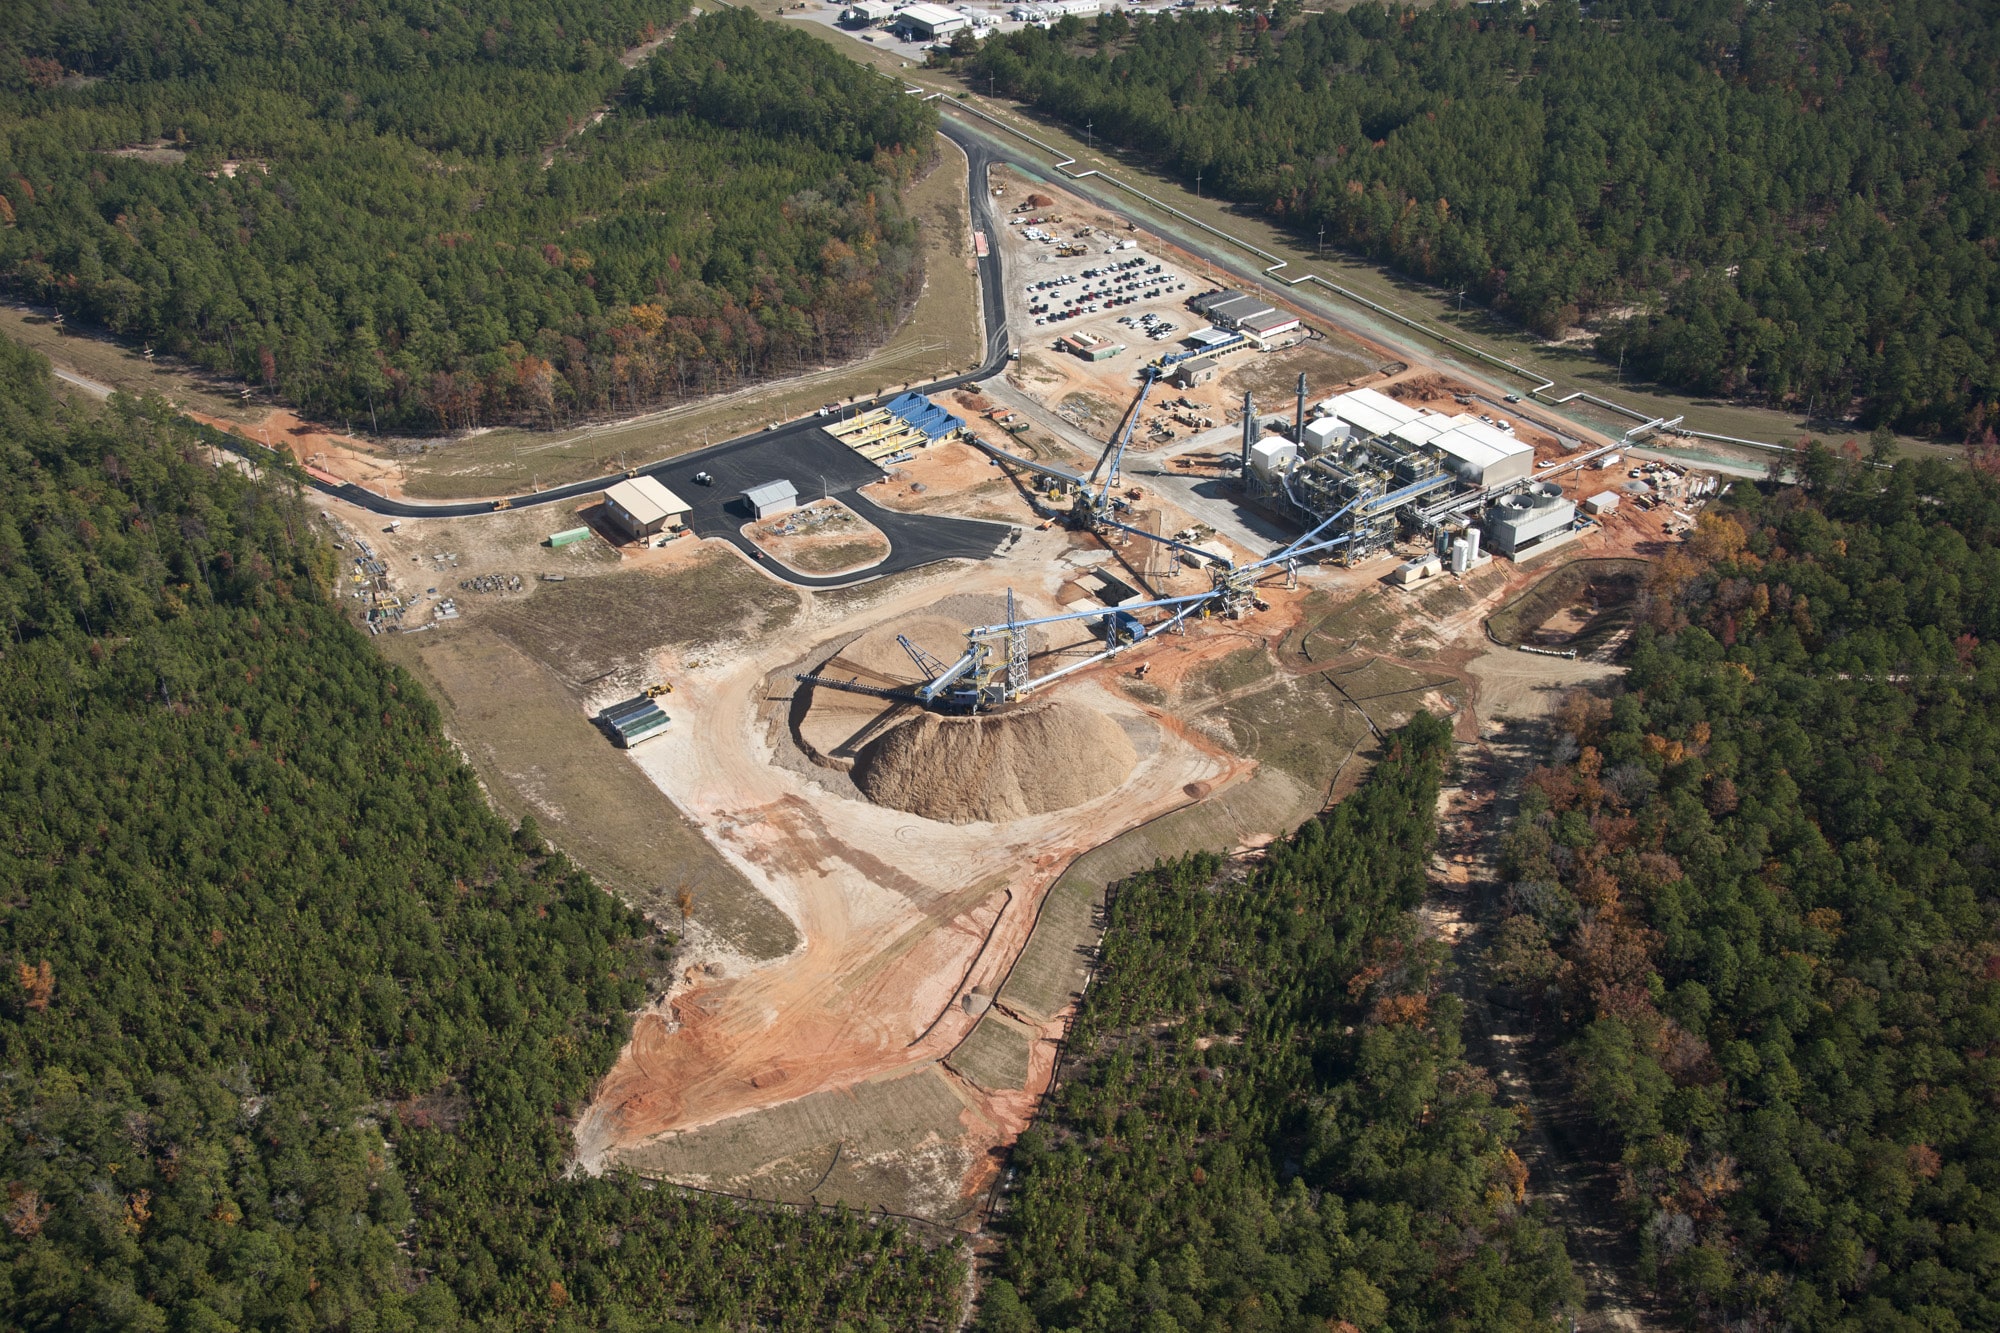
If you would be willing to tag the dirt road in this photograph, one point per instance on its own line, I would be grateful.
(1516, 695)
(900, 918)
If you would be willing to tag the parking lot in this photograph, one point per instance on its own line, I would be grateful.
(1074, 276)
(1107, 287)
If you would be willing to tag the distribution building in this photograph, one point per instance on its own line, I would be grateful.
(1268, 324)
(1227, 309)
(866, 13)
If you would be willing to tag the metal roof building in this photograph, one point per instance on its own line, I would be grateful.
(642, 506)
(772, 497)
(1198, 370)
(928, 22)
(1482, 455)
(1268, 323)
(1371, 413)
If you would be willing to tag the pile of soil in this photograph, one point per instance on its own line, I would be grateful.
(995, 767)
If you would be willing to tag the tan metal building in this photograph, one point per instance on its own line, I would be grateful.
(641, 507)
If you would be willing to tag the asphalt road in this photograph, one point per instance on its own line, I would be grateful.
(798, 452)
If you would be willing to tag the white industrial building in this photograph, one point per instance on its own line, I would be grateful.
(642, 507)
(929, 23)
(1482, 455)
(1529, 518)
(1371, 413)
(1268, 324)
(867, 13)
(772, 497)
(1269, 458)
(1379, 467)
(1053, 10)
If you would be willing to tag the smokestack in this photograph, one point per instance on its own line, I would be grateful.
(1299, 425)
(1249, 431)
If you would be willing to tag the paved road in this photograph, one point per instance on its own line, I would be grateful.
(798, 452)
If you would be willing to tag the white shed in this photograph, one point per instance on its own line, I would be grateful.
(772, 497)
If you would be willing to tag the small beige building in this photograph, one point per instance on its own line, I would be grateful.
(641, 507)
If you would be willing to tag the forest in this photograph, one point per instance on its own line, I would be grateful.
(292, 1024)
(1754, 896)
(424, 218)
(1789, 203)
(1265, 1118)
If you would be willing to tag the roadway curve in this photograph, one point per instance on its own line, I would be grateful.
(798, 451)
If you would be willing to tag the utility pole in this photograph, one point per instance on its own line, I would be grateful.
(1197, 184)
(1321, 252)
(1091, 130)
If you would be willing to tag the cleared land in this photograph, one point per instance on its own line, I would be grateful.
(864, 1066)
(823, 537)
(539, 754)
(996, 1055)
(604, 634)
(96, 357)
(1579, 606)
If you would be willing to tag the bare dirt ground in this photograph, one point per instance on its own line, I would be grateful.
(822, 537)
(900, 916)
(869, 1002)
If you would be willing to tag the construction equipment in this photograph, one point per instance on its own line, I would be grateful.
(498, 505)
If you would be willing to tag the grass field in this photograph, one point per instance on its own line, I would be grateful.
(121, 367)
(537, 753)
(994, 1054)
(591, 629)
(897, 1144)
(1300, 725)
(1050, 971)
(941, 336)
